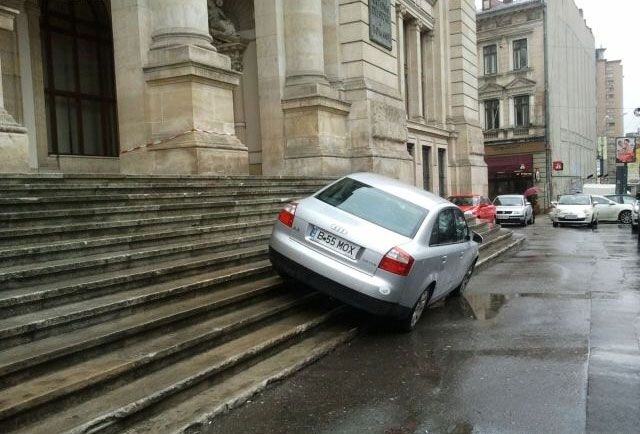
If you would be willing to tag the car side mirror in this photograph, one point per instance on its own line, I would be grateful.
(477, 238)
(554, 203)
(529, 203)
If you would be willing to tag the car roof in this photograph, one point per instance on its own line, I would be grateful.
(407, 192)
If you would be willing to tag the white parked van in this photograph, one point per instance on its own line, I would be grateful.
(599, 189)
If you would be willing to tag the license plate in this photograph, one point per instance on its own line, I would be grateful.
(571, 217)
(334, 243)
(502, 216)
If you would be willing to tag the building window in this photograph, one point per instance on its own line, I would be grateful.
(80, 101)
(520, 54)
(426, 167)
(442, 172)
(490, 59)
(521, 106)
(492, 114)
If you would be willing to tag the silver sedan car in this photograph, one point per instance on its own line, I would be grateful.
(513, 208)
(377, 244)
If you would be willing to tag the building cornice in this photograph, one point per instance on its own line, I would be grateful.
(516, 7)
(412, 9)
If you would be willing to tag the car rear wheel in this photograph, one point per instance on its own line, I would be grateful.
(409, 323)
(625, 217)
(465, 281)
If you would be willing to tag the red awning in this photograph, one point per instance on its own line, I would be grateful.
(509, 164)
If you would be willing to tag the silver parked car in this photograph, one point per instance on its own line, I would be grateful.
(513, 208)
(574, 209)
(377, 244)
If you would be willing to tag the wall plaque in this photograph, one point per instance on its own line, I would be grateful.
(380, 22)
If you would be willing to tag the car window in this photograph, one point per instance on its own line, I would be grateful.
(462, 230)
(599, 200)
(628, 200)
(614, 198)
(507, 201)
(574, 199)
(375, 206)
(444, 230)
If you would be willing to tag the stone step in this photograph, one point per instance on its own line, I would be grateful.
(62, 269)
(136, 354)
(107, 214)
(38, 203)
(67, 189)
(41, 323)
(27, 356)
(496, 237)
(196, 411)
(93, 178)
(239, 263)
(38, 235)
(35, 253)
(111, 403)
(497, 250)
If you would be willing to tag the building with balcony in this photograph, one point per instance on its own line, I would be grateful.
(537, 96)
(272, 87)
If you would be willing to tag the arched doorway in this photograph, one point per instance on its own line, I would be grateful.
(232, 26)
(79, 82)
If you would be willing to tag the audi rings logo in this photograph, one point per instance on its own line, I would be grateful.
(338, 229)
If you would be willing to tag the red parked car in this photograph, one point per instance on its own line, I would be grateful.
(480, 206)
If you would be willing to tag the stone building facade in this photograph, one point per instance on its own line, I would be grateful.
(537, 96)
(609, 111)
(272, 87)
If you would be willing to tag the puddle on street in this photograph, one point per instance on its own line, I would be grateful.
(482, 306)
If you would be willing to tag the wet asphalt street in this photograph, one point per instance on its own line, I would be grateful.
(546, 341)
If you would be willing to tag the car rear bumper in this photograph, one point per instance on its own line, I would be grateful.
(288, 267)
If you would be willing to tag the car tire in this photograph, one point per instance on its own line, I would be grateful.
(408, 323)
(524, 222)
(625, 217)
(533, 219)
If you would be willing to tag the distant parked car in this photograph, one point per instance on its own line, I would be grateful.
(512, 208)
(476, 205)
(635, 216)
(574, 209)
(377, 244)
(611, 211)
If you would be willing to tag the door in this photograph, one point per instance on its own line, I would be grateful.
(607, 210)
(426, 168)
(443, 244)
(463, 246)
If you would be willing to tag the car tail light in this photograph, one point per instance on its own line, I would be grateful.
(397, 261)
(287, 214)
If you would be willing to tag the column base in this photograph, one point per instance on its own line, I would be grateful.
(317, 139)
(192, 153)
(14, 150)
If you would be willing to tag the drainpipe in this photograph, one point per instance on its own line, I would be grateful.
(547, 106)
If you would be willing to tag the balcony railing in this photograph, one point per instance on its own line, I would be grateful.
(521, 131)
(491, 134)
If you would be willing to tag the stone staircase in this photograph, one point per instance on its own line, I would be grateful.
(147, 304)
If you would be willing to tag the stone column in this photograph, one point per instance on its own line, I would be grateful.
(414, 65)
(188, 95)
(467, 156)
(428, 69)
(14, 144)
(401, 10)
(304, 42)
(315, 116)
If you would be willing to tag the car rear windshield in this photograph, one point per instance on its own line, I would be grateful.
(576, 199)
(507, 201)
(375, 206)
(465, 200)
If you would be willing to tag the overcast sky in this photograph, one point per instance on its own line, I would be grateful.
(614, 24)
